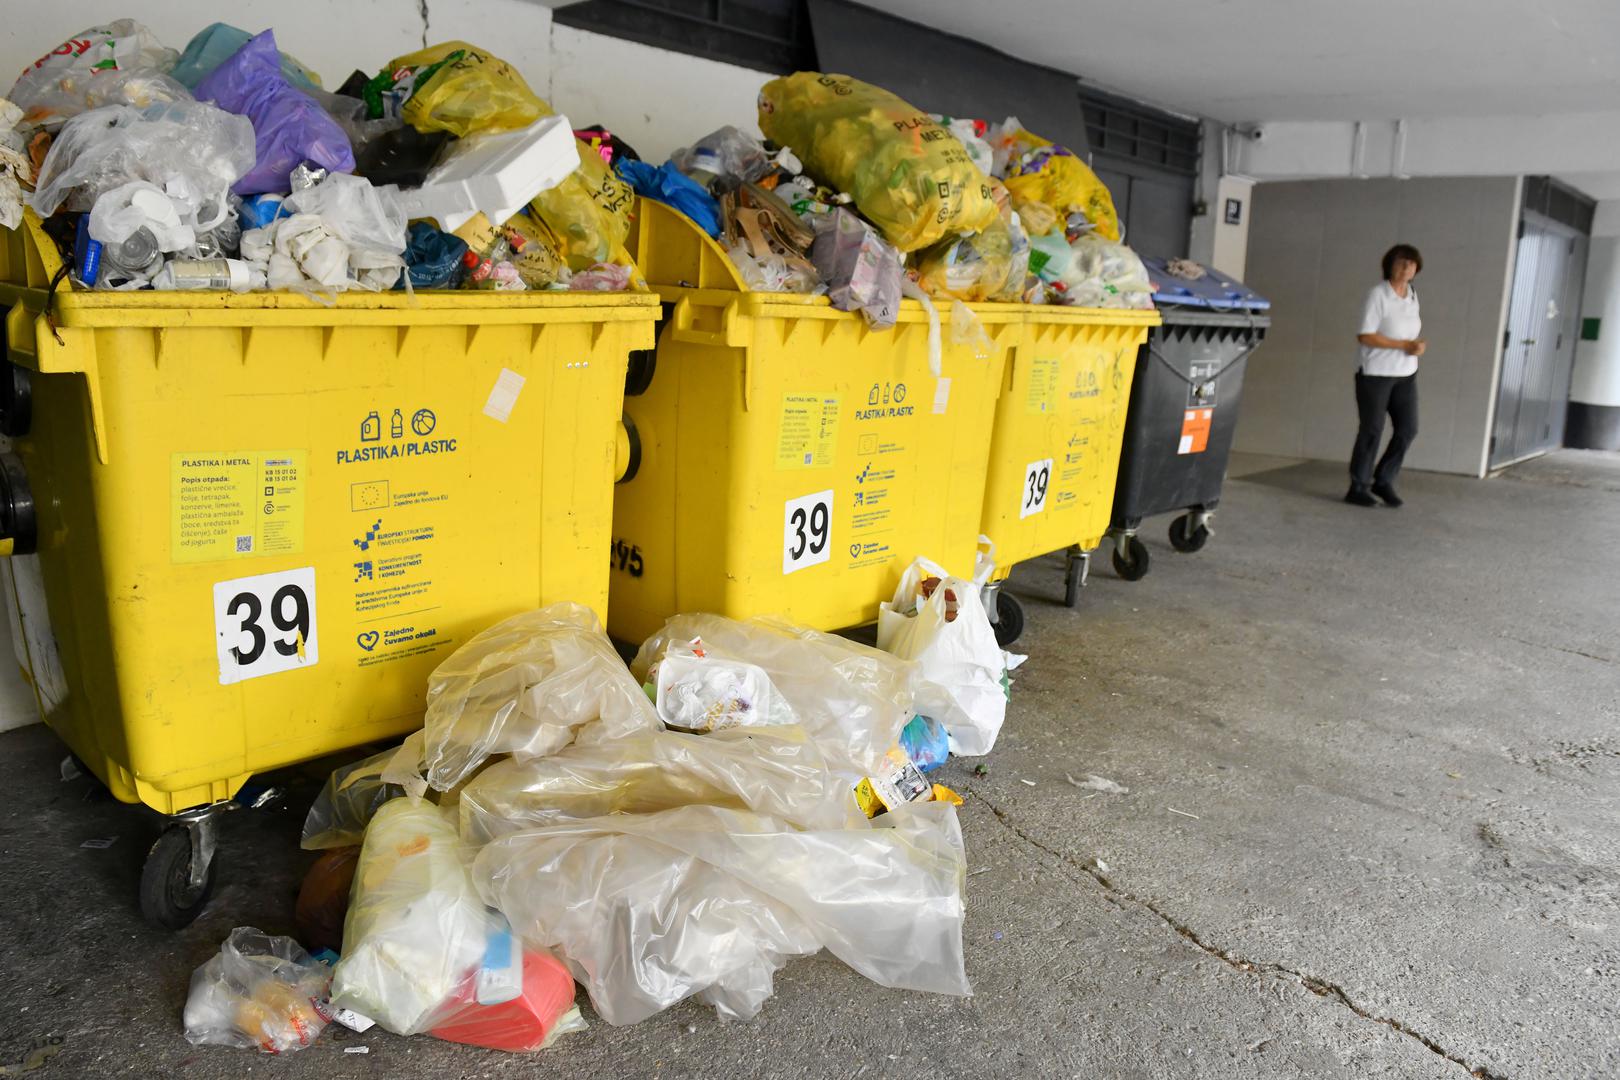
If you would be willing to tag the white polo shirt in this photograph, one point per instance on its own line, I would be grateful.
(1394, 317)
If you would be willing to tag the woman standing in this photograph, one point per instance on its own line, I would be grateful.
(1386, 380)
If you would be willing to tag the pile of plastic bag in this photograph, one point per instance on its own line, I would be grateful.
(228, 166)
(743, 793)
(857, 194)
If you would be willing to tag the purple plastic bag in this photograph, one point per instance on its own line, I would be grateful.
(289, 127)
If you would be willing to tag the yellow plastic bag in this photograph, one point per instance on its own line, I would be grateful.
(458, 88)
(971, 268)
(911, 177)
(589, 213)
(1051, 175)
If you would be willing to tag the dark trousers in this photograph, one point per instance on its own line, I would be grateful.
(1375, 396)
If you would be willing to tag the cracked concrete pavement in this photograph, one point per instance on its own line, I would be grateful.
(1372, 829)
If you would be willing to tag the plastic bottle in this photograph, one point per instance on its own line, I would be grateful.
(130, 262)
(396, 426)
(232, 274)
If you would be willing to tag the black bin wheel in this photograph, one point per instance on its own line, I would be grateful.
(1182, 540)
(168, 898)
(1009, 618)
(1071, 584)
(1135, 567)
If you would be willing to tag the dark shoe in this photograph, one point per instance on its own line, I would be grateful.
(1359, 497)
(1387, 493)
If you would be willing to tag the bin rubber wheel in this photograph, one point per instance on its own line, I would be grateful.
(1136, 567)
(168, 898)
(1071, 584)
(1009, 618)
(1182, 540)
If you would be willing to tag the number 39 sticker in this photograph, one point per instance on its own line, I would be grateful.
(807, 536)
(265, 624)
(1037, 475)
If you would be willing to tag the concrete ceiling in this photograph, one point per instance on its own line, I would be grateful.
(1245, 60)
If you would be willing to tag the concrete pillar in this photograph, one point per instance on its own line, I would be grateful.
(1594, 391)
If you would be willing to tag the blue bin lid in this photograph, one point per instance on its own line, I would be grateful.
(1214, 291)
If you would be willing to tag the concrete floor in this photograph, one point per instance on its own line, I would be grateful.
(1393, 739)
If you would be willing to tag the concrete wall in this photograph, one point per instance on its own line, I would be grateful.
(1314, 249)
(1596, 379)
(657, 100)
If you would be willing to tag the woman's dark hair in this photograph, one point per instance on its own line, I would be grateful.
(1401, 251)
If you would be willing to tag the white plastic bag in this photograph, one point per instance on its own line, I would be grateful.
(852, 699)
(258, 992)
(193, 142)
(771, 770)
(366, 219)
(529, 686)
(698, 692)
(648, 909)
(121, 212)
(961, 665)
(416, 928)
(121, 62)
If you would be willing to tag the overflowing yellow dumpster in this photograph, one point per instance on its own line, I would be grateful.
(257, 522)
(793, 461)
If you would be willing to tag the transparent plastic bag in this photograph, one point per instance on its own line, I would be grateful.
(769, 273)
(290, 127)
(350, 798)
(861, 269)
(909, 176)
(119, 63)
(415, 928)
(726, 152)
(648, 909)
(852, 699)
(529, 686)
(258, 992)
(454, 87)
(188, 142)
(365, 219)
(696, 692)
(770, 770)
(973, 268)
(948, 633)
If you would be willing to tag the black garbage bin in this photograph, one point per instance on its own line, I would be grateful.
(1184, 408)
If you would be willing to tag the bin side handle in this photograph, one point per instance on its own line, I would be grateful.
(683, 330)
(33, 343)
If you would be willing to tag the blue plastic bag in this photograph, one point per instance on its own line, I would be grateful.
(216, 44)
(669, 185)
(925, 741)
(289, 127)
(432, 258)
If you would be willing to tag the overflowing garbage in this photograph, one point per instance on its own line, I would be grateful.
(229, 167)
(742, 793)
(857, 194)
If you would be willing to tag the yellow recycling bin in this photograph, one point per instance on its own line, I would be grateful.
(1054, 455)
(261, 521)
(793, 460)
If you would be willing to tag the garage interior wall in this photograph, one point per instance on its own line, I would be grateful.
(1314, 248)
(1594, 391)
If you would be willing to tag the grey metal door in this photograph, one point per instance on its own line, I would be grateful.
(1539, 344)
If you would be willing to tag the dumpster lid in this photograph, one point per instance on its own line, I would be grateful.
(1214, 290)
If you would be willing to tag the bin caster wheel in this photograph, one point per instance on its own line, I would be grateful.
(1074, 577)
(1189, 542)
(171, 895)
(1135, 567)
(1009, 618)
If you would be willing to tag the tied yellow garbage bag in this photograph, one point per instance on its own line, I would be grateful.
(588, 213)
(458, 88)
(1054, 178)
(911, 177)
